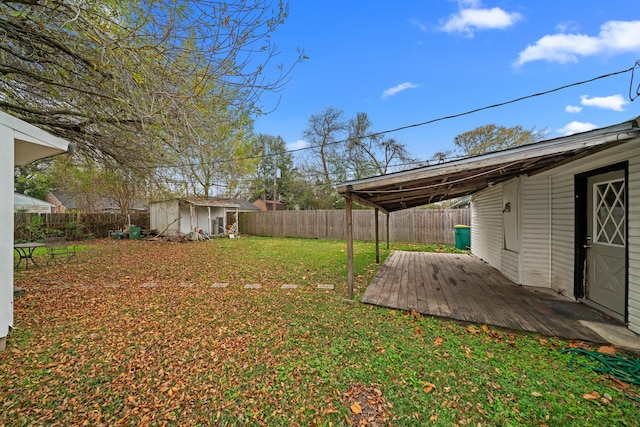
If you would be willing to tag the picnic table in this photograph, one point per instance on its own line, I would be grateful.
(25, 252)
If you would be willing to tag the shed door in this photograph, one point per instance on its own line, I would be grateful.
(606, 239)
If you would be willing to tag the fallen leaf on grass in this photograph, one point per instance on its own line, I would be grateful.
(428, 388)
(577, 344)
(536, 394)
(438, 342)
(356, 408)
(609, 349)
(591, 396)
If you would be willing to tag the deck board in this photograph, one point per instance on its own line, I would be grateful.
(465, 288)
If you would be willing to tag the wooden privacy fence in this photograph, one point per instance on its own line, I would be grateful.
(413, 225)
(73, 225)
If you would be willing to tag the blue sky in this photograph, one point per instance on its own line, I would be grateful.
(410, 61)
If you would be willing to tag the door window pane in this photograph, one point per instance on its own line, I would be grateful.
(609, 215)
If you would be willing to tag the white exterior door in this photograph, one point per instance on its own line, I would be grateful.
(606, 229)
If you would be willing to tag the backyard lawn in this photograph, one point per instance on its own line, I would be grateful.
(143, 333)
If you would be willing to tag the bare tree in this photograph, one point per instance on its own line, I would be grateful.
(326, 129)
(371, 154)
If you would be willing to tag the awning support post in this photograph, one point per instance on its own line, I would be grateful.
(349, 213)
(375, 222)
(387, 230)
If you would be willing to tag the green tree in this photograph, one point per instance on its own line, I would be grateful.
(33, 180)
(272, 175)
(211, 149)
(114, 76)
(491, 137)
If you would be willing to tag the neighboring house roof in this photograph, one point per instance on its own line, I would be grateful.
(267, 205)
(95, 204)
(429, 184)
(22, 203)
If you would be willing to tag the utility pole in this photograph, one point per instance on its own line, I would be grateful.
(275, 181)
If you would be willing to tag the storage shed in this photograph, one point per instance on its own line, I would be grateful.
(193, 216)
(28, 143)
(562, 214)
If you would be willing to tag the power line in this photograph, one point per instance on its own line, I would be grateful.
(632, 69)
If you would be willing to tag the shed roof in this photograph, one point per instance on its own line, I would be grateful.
(243, 205)
(429, 184)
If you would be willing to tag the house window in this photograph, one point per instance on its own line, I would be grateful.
(609, 214)
(510, 216)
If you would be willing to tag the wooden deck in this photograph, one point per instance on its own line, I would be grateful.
(463, 287)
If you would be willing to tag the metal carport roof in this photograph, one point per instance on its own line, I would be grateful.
(429, 184)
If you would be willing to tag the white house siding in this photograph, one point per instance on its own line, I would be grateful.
(510, 262)
(486, 225)
(536, 231)
(548, 226)
(633, 186)
(511, 223)
(6, 234)
(562, 232)
(563, 222)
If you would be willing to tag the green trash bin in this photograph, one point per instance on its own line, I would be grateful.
(134, 233)
(463, 237)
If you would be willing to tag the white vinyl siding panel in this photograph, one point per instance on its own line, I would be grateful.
(536, 231)
(486, 225)
(633, 212)
(562, 233)
(510, 262)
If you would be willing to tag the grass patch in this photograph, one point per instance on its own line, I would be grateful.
(93, 346)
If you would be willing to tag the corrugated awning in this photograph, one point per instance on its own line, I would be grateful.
(421, 186)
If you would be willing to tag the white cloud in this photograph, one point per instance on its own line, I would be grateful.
(572, 109)
(576, 127)
(567, 26)
(415, 22)
(614, 37)
(297, 145)
(472, 17)
(397, 89)
(613, 102)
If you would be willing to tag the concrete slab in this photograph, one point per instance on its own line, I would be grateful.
(252, 286)
(186, 285)
(148, 285)
(219, 285)
(289, 286)
(617, 335)
(326, 286)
